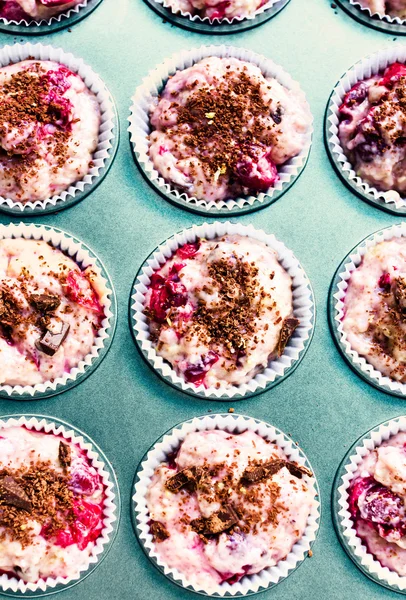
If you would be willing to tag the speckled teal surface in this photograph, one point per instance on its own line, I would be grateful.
(123, 406)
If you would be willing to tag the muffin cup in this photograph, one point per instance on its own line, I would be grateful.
(140, 129)
(108, 132)
(343, 523)
(277, 370)
(218, 26)
(382, 22)
(391, 200)
(167, 444)
(337, 293)
(46, 26)
(11, 586)
(84, 257)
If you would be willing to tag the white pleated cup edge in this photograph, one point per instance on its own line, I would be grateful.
(303, 308)
(19, 52)
(225, 21)
(352, 261)
(139, 127)
(234, 424)
(55, 19)
(363, 69)
(80, 255)
(369, 441)
(48, 426)
(382, 16)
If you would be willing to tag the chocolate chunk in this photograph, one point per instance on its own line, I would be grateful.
(218, 522)
(158, 531)
(45, 302)
(277, 115)
(254, 474)
(9, 310)
(12, 493)
(186, 477)
(298, 470)
(65, 456)
(51, 342)
(288, 327)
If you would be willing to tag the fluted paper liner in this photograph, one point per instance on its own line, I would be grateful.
(19, 52)
(303, 309)
(217, 21)
(359, 552)
(364, 69)
(46, 425)
(81, 255)
(56, 19)
(382, 16)
(351, 263)
(234, 424)
(151, 87)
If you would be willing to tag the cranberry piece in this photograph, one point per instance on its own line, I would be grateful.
(392, 74)
(384, 282)
(83, 481)
(162, 150)
(356, 95)
(219, 11)
(156, 281)
(188, 250)
(380, 505)
(257, 174)
(158, 304)
(64, 538)
(12, 11)
(177, 292)
(196, 373)
(58, 79)
(78, 288)
(358, 488)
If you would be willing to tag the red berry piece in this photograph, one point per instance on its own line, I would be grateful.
(188, 250)
(79, 289)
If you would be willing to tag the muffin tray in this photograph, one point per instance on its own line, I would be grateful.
(324, 406)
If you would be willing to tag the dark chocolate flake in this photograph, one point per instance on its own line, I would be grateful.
(45, 302)
(218, 522)
(158, 531)
(11, 493)
(298, 470)
(51, 342)
(186, 477)
(288, 327)
(65, 455)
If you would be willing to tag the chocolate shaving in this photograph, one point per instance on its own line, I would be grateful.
(12, 494)
(298, 470)
(288, 327)
(45, 302)
(51, 342)
(158, 531)
(218, 522)
(65, 455)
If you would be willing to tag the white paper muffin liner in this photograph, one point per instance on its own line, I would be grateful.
(198, 19)
(338, 292)
(234, 424)
(343, 521)
(364, 69)
(303, 309)
(110, 510)
(56, 19)
(382, 16)
(19, 52)
(82, 256)
(140, 124)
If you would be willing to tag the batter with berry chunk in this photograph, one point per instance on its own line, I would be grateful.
(51, 505)
(49, 125)
(372, 129)
(374, 318)
(377, 503)
(228, 505)
(50, 312)
(34, 10)
(220, 129)
(219, 310)
(394, 8)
